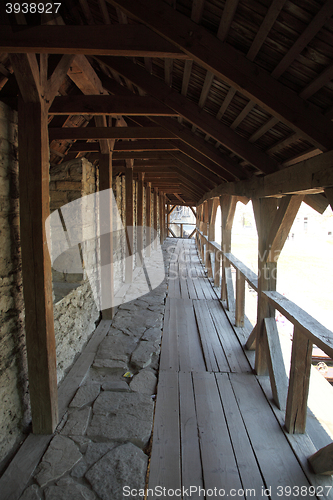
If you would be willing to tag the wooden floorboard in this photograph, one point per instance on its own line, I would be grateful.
(165, 466)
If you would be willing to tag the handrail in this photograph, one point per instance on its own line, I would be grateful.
(323, 337)
(245, 271)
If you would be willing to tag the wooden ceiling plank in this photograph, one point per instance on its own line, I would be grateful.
(196, 167)
(267, 24)
(283, 143)
(309, 153)
(228, 15)
(109, 105)
(323, 79)
(231, 66)
(128, 40)
(97, 133)
(197, 10)
(192, 113)
(308, 34)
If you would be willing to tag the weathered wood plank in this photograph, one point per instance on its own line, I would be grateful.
(169, 350)
(190, 450)
(217, 455)
(299, 380)
(165, 466)
(240, 299)
(278, 464)
(230, 344)
(246, 461)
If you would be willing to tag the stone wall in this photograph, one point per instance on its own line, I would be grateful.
(14, 399)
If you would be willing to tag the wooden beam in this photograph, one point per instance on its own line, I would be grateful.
(57, 77)
(316, 201)
(199, 150)
(186, 76)
(143, 145)
(87, 133)
(235, 69)
(129, 217)
(228, 14)
(141, 155)
(276, 369)
(265, 211)
(309, 177)
(148, 219)
(299, 379)
(127, 40)
(191, 112)
(26, 71)
(197, 10)
(270, 18)
(329, 195)
(323, 79)
(106, 240)
(302, 41)
(281, 225)
(322, 461)
(139, 209)
(228, 207)
(36, 265)
(155, 216)
(109, 105)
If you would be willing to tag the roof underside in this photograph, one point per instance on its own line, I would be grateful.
(240, 88)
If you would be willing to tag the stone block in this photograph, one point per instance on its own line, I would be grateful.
(68, 489)
(61, 455)
(126, 465)
(77, 422)
(85, 395)
(144, 382)
(32, 493)
(142, 356)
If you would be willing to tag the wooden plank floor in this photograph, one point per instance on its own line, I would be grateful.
(215, 433)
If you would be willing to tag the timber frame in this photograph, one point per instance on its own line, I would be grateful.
(201, 105)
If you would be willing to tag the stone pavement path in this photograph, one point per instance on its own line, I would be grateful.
(101, 444)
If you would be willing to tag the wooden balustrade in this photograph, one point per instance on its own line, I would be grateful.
(290, 395)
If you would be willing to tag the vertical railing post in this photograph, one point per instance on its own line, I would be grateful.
(228, 207)
(240, 299)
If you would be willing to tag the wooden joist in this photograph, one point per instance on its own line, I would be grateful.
(86, 133)
(322, 460)
(127, 40)
(109, 105)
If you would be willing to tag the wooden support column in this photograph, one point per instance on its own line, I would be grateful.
(273, 226)
(148, 219)
(165, 232)
(139, 208)
(299, 381)
(322, 461)
(106, 240)
(161, 217)
(228, 207)
(168, 213)
(36, 262)
(129, 223)
(155, 216)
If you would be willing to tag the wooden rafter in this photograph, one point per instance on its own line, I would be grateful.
(127, 40)
(75, 133)
(192, 113)
(228, 14)
(233, 68)
(109, 105)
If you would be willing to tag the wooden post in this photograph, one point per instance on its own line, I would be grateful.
(155, 216)
(322, 461)
(148, 219)
(140, 217)
(168, 219)
(106, 240)
(240, 299)
(273, 226)
(206, 217)
(299, 380)
(36, 262)
(181, 230)
(161, 217)
(165, 232)
(129, 224)
(228, 207)
(217, 269)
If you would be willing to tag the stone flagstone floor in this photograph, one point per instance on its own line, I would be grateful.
(102, 443)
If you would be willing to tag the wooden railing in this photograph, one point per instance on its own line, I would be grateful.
(181, 226)
(290, 395)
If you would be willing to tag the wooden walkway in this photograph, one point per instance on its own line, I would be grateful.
(214, 428)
